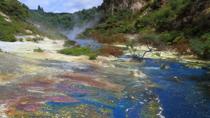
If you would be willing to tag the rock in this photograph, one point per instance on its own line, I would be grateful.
(136, 73)
(6, 17)
(157, 54)
(177, 79)
(111, 6)
(164, 67)
(29, 31)
(132, 97)
(134, 5)
(141, 103)
(105, 64)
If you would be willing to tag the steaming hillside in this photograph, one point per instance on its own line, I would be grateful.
(52, 23)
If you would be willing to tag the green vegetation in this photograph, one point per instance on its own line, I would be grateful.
(105, 51)
(54, 25)
(111, 29)
(181, 24)
(15, 9)
(8, 29)
(38, 50)
(115, 24)
(69, 43)
(77, 51)
(150, 110)
(65, 21)
(35, 39)
(202, 47)
(13, 20)
(162, 18)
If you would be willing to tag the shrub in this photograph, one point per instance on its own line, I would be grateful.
(16, 9)
(197, 46)
(111, 50)
(165, 18)
(181, 44)
(92, 56)
(21, 39)
(7, 37)
(38, 50)
(108, 38)
(201, 46)
(37, 39)
(168, 37)
(10, 29)
(69, 43)
(7, 31)
(77, 51)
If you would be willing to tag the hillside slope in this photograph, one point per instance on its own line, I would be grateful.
(117, 5)
(13, 17)
(181, 24)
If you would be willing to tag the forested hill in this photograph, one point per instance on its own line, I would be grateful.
(60, 22)
(181, 24)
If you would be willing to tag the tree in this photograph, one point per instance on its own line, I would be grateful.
(134, 52)
(40, 9)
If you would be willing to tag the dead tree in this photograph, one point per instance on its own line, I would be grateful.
(147, 51)
(134, 52)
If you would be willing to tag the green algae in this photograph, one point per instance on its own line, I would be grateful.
(195, 65)
(150, 110)
(77, 111)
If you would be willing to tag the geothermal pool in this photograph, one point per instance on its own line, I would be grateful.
(50, 88)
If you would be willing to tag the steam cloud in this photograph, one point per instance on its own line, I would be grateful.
(72, 34)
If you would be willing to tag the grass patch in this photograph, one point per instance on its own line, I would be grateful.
(105, 51)
(38, 50)
(69, 43)
(77, 51)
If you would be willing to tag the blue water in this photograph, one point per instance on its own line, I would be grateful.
(183, 92)
(88, 43)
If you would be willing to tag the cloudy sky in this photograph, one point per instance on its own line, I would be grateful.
(62, 5)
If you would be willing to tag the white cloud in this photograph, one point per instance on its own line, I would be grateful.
(62, 5)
